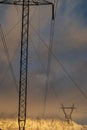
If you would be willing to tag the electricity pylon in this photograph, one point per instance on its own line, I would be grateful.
(68, 117)
(24, 53)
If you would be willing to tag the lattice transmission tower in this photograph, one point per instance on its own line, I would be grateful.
(24, 52)
(68, 117)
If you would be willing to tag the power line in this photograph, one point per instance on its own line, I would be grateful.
(57, 59)
(8, 57)
(48, 71)
(5, 73)
(10, 30)
(67, 73)
(44, 70)
(50, 54)
(61, 64)
(48, 64)
(49, 50)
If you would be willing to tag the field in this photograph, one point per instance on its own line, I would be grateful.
(41, 124)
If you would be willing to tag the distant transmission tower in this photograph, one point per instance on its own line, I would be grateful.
(68, 116)
(24, 52)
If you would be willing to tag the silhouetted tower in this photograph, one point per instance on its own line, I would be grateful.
(68, 117)
(24, 53)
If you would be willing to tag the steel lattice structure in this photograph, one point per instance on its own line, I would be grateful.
(68, 117)
(24, 53)
(23, 65)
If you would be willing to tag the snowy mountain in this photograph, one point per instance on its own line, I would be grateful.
(41, 124)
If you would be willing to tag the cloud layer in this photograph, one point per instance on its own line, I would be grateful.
(70, 45)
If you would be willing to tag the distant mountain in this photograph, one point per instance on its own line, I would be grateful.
(41, 124)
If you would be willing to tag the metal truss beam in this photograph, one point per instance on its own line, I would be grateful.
(31, 2)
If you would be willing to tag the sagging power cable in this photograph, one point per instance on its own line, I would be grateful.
(50, 54)
(44, 70)
(8, 57)
(10, 30)
(63, 67)
(61, 64)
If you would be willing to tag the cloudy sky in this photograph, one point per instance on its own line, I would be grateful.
(68, 73)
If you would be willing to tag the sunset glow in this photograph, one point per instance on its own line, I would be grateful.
(55, 73)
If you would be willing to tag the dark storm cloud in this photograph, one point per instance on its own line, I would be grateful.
(70, 44)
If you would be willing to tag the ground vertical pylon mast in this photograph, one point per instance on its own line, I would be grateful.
(23, 65)
(24, 53)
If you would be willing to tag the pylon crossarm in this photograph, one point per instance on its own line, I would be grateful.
(31, 2)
